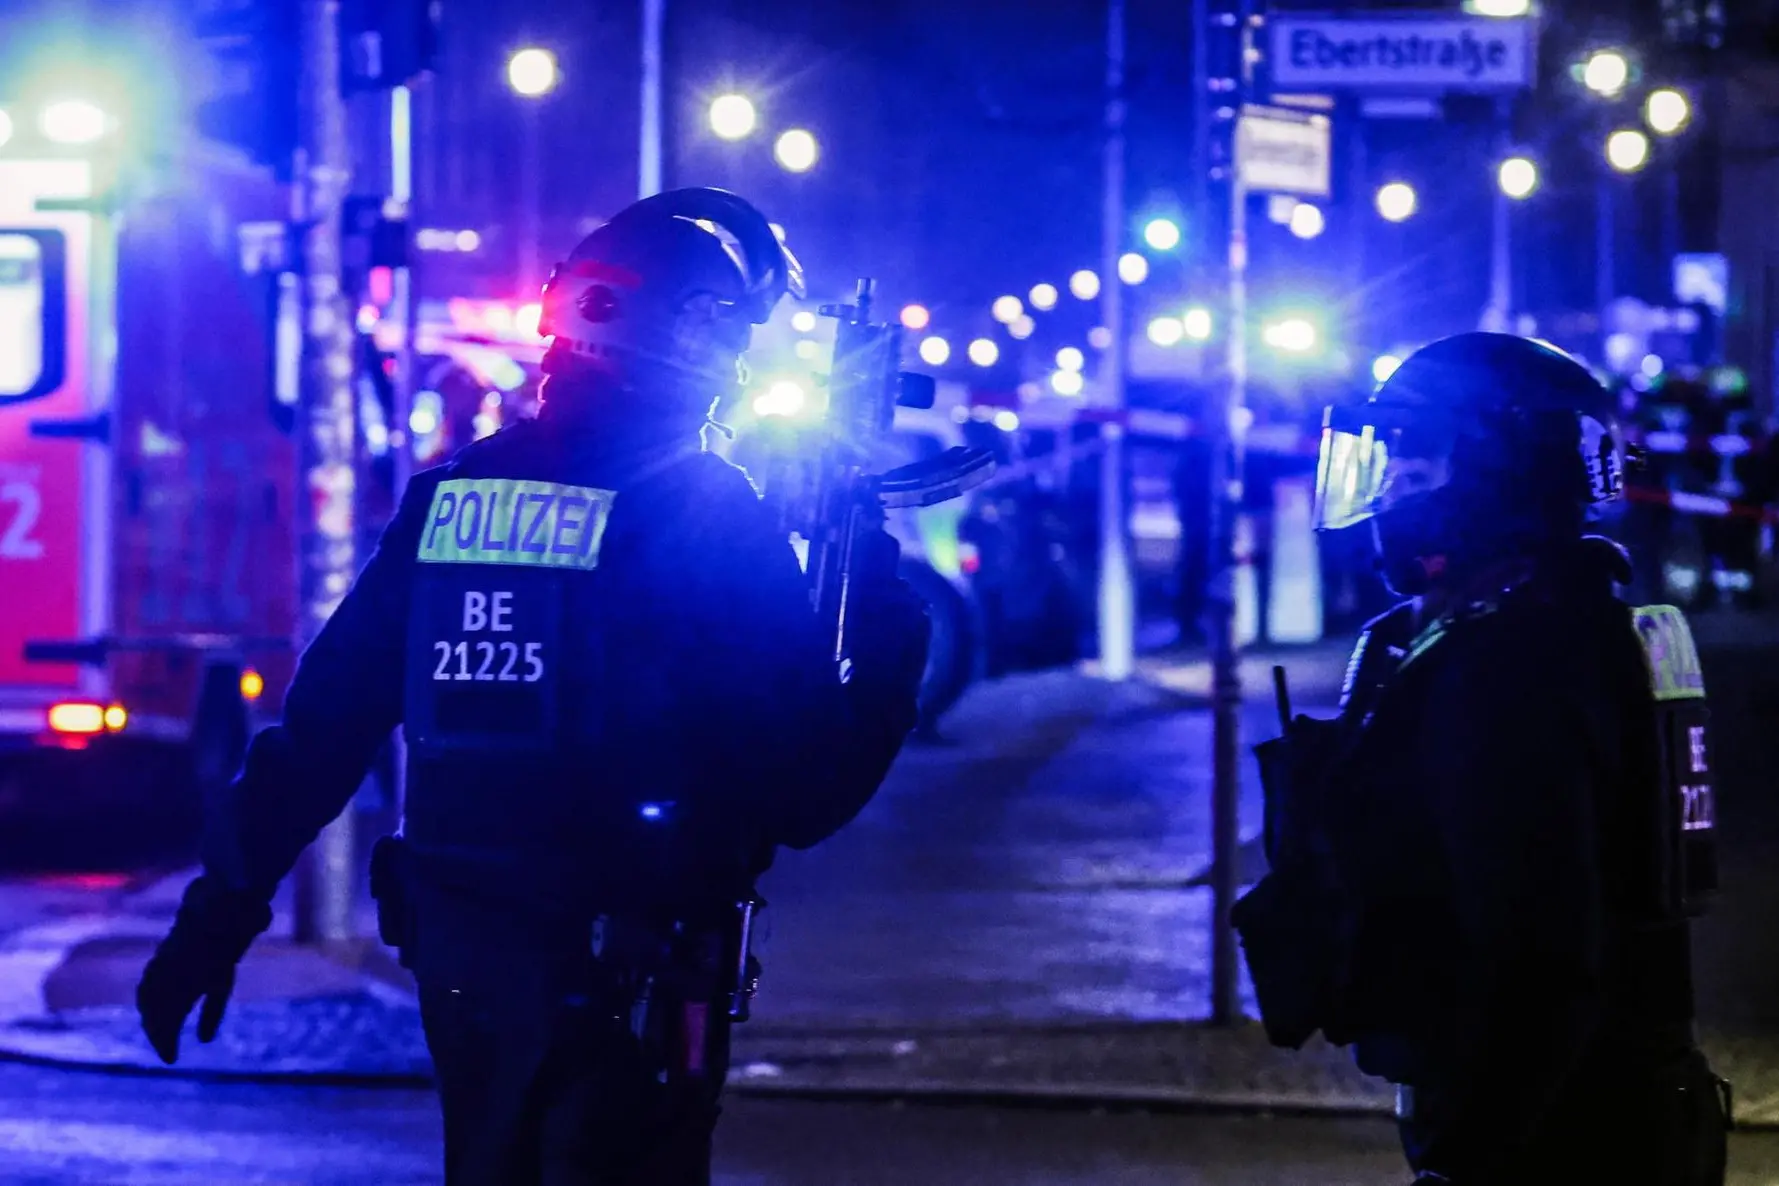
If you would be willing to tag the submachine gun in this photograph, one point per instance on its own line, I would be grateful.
(824, 489)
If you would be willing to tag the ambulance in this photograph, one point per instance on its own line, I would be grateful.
(147, 469)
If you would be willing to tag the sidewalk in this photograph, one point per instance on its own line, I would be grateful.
(1021, 912)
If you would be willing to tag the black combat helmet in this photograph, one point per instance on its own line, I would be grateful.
(664, 297)
(1479, 447)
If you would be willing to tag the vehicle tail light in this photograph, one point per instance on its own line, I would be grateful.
(253, 684)
(77, 718)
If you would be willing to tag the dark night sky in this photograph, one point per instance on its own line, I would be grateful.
(960, 150)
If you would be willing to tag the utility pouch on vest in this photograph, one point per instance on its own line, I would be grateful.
(1686, 816)
(389, 888)
(1289, 944)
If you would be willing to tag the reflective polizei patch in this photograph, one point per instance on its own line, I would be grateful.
(1674, 670)
(513, 521)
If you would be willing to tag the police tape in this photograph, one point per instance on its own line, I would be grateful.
(1723, 444)
(1705, 505)
(1293, 440)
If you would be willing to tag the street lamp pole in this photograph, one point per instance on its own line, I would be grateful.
(1497, 316)
(532, 74)
(531, 200)
(648, 174)
(1605, 249)
(1117, 628)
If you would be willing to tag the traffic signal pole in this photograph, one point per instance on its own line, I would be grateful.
(1225, 31)
(326, 424)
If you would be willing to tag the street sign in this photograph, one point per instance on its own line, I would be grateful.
(1420, 52)
(1278, 150)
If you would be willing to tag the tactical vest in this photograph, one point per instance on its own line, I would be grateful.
(1675, 868)
(551, 698)
(493, 651)
(1684, 820)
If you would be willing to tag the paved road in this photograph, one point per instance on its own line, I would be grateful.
(1047, 867)
(60, 1128)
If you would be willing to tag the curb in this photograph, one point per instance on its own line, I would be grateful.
(30, 956)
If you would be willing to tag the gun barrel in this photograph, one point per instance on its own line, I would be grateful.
(1282, 696)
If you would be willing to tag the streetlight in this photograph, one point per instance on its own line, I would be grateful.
(1197, 323)
(1518, 177)
(532, 72)
(1666, 111)
(796, 151)
(1085, 284)
(1163, 234)
(983, 352)
(934, 351)
(1042, 297)
(1306, 221)
(1022, 327)
(732, 117)
(1166, 331)
(1627, 150)
(1066, 382)
(915, 316)
(72, 121)
(803, 321)
(1606, 72)
(1501, 9)
(1070, 358)
(1006, 309)
(1133, 268)
(1396, 201)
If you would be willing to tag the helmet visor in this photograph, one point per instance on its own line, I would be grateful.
(1369, 464)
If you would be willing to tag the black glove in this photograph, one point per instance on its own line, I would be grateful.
(196, 961)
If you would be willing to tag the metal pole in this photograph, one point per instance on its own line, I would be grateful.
(1500, 311)
(1117, 628)
(648, 175)
(405, 311)
(1202, 114)
(1226, 495)
(326, 427)
(404, 305)
(1605, 248)
(531, 200)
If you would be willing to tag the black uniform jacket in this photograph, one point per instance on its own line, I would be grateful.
(710, 669)
(1491, 831)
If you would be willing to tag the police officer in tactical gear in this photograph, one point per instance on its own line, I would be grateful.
(1482, 874)
(617, 705)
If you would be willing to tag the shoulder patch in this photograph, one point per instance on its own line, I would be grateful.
(514, 521)
(1669, 653)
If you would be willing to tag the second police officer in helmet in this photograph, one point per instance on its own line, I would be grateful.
(617, 705)
(1482, 874)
